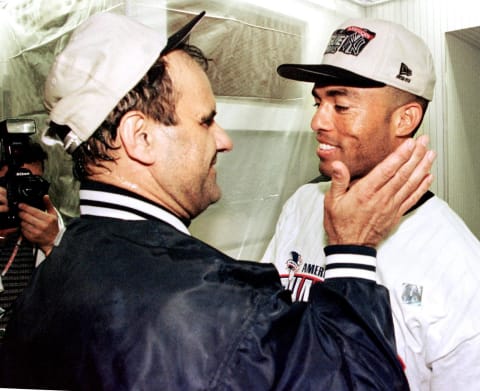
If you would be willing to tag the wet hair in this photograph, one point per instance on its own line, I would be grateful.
(154, 95)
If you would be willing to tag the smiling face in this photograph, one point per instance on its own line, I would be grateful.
(353, 125)
(187, 151)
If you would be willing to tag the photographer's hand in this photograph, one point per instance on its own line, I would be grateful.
(5, 232)
(39, 227)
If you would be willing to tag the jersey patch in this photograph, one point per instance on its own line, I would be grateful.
(301, 276)
(412, 294)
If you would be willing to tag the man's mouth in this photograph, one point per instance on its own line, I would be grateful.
(325, 147)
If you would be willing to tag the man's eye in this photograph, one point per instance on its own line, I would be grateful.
(341, 108)
(208, 122)
(316, 105)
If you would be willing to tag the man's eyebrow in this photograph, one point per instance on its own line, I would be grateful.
(209, 117)
(337, 91)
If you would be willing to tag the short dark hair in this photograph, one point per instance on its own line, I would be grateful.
(154, 95)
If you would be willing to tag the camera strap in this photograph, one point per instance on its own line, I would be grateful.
(10, 260)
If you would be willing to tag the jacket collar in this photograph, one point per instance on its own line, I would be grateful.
(104, 200)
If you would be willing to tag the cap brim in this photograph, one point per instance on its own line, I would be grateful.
(326, 75)
(181, 35)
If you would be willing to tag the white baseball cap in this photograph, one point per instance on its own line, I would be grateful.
(104, 59)
(371, 53)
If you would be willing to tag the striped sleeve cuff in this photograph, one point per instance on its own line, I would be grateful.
(344, 261)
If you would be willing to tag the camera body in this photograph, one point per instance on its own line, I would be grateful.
(21, 184)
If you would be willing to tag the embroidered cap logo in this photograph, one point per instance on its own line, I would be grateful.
(351, 40)
(404, 73)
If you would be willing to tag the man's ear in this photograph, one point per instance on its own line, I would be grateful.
(408, 117)
(135, 136)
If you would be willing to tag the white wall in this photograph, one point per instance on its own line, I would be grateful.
(462, 135)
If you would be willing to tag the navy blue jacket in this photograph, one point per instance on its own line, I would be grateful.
(138, 305)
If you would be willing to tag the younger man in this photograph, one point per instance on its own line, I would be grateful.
(371, 92)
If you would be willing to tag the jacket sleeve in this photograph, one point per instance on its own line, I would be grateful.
(342, 339)
(345, 340)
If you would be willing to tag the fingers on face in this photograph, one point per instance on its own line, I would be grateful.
(382, 174)
(417, 183)
(404, 171)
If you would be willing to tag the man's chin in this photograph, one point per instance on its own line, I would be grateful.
(216, 197)
(325, 170)
(215, 194)
(203, 205)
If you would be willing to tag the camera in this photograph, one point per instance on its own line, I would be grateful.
(21, 184)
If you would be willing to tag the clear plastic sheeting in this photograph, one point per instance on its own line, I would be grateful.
(245, 46)
(266, 116)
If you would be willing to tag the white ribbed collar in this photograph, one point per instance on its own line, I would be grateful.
(100, 199)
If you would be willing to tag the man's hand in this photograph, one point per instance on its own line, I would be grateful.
(365, 212)
(39, 227)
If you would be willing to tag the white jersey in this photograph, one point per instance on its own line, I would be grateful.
(431, 266)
